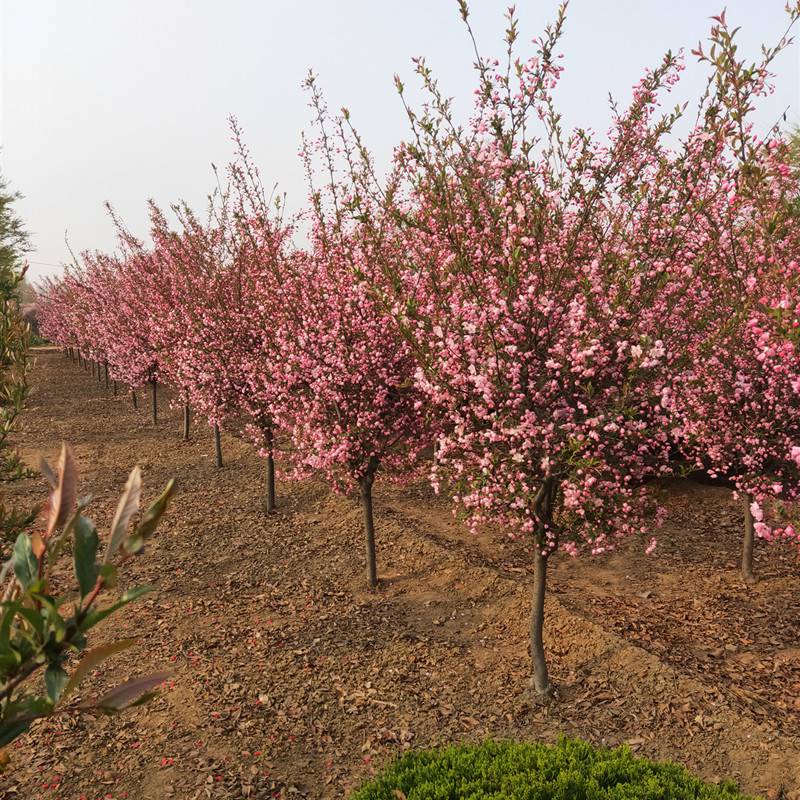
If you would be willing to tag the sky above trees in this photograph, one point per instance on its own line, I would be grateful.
(123, 101)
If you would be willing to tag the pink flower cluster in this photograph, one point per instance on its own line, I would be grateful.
(569, 316)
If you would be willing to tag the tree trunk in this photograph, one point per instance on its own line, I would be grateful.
(369, 527)
(92, 362)
(749, 541)
(217, 446)
(154, 400)
(187, 415)
(269, 500)
(133, 398)
(115, 388)
(544, 545)
(106, 365)
(540, 679)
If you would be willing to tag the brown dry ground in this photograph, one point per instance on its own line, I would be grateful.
(292, 680)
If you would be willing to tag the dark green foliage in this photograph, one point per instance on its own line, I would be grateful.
(569, 770)
(14, 241)
(14, 342)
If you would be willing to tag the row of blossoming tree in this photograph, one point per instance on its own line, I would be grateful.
(561, 318)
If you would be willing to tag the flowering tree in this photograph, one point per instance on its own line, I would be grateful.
(346, 376)
(136, 316)
(198, 309)
(64, 305)
(579, 314)
(736, 407)
(219, 302)
(103, 306)
(550, 286)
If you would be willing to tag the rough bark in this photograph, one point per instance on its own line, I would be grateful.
(540, 678)
(217, 446)
(269, 499)
(369, 527)
(749, 541)
(154, 400)
(544, 505)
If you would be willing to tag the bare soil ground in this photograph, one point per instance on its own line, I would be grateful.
(292, 680)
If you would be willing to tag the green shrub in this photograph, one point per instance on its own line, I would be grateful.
(569, 770)
(39, 631)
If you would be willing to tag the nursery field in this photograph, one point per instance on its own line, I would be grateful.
(292, 679)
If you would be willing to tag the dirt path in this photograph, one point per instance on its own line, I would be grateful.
(291, 680)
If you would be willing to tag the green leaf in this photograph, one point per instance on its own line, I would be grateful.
(56, 543)
(12, 729)
(55, 679)
(93, 617)
(150, 520)
(35, 618)
(59, 627)
(77, 642)
(10, 660)
(19, 714)
(52, 617)
(5, 626)
(133, 544)
(26, 567)
(92, 658)
(86, 543)
(108, 572)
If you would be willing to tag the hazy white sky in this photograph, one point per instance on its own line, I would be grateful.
(123, 100)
